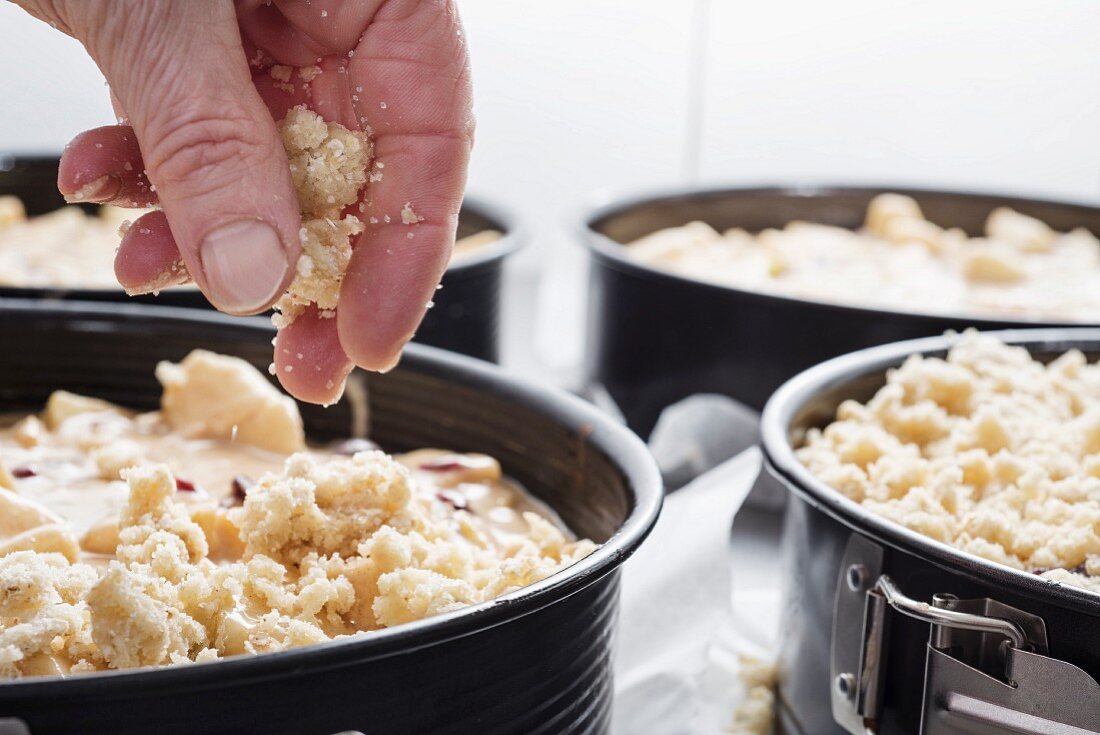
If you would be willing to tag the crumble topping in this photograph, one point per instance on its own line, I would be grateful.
(987, 450)
(218, 397)
(328, 164)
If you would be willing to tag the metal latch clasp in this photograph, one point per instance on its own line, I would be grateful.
(987, 671)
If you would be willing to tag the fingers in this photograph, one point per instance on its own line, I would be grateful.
(413, 71)
(209, 145)
(395, 268)
(148, 259)
(309, 361)
(104, 166)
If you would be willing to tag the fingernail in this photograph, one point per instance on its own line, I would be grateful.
(174, 275)
(245, 265)
(394, 359)
(103, 189)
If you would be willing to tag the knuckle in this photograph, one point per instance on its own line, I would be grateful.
(207, 151)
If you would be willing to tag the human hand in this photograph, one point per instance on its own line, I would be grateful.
(190, 80)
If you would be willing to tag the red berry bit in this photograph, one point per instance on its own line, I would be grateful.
(354, 446)
(185, 486)
(454, 499)
(22, 473)
(240, 486)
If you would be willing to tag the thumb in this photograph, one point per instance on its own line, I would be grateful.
(209, 144)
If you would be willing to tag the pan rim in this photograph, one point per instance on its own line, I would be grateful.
(611, 253)
(624, 449)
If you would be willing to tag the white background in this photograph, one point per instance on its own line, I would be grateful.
(578, 96)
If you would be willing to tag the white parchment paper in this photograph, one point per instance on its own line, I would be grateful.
(687, 616)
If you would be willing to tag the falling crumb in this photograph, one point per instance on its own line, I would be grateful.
(410, 236)
(260, 59)
(127, 166)
(271, 369)
(408, 216)
(379, 164)
(288, 369)
(382, 105)
(299, 355)
(374, 220)
(124, 227)
(386, 218)
(324, 13)
(281, 73)
(329, 385)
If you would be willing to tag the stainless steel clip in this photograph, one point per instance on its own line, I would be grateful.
(987, 671)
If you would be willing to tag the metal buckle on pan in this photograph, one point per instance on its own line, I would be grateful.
(987, 671)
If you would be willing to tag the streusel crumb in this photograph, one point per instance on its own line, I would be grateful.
(328, 164)
(409, 216)
(988, 450)
(331, 547)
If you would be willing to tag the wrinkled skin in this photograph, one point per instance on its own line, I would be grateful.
(190, 83)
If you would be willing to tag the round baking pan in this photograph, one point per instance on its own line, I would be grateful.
(656, 337)
(537, 660)
(465, 317)
(835, 551)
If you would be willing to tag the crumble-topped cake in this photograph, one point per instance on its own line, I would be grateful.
(899, 260)
(189, 534)
(987, 450)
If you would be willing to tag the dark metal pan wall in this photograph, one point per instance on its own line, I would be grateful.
(655, 337)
